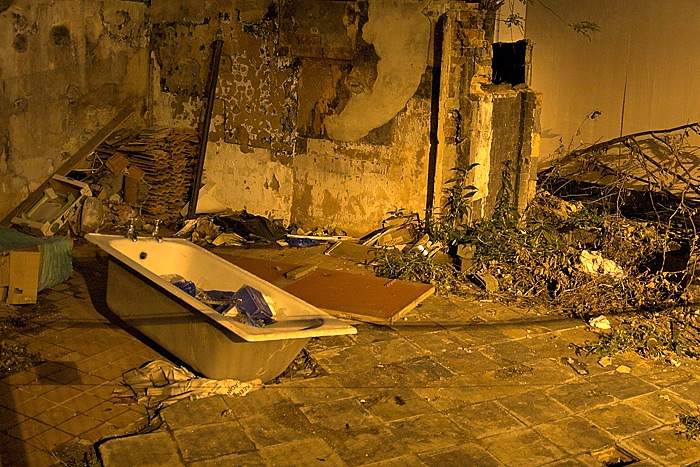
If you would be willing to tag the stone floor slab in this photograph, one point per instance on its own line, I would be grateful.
(665, 446)
(575, 435)
(395, 404)
(465, 455)
(301, 454)
(520, 448)
(213, 440)
(484, 419)
(621, 420)
(429, 432)
(197, 412)
(581, 396)
(150, 450)
(534, 407)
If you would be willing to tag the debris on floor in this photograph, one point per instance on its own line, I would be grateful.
(579, 367)
(304, 366)
(61, 200)
(691, 425)
(14, 356)
(231, 229)
(158, 384)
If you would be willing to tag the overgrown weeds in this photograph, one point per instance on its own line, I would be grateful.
(666, 336)
(623, 248)
(418, 268)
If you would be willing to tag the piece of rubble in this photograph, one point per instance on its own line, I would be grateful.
(92, 215)
(579, 367)
(593, 262)
(623, 369)
(605, 362)
(228, 239)
(486, 281)
(600, 322)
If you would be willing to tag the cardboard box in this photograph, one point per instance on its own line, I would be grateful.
(19, 275)
(60, 202)
(131, 184)
(117, 162)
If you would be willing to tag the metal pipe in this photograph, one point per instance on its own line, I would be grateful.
(217, 45)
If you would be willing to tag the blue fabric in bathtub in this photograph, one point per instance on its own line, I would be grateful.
(187, 286)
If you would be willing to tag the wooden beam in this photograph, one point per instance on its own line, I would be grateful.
(71, 163)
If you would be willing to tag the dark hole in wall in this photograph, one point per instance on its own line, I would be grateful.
(60, 36)
(509, 62)
(20, 43)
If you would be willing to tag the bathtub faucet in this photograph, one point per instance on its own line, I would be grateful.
(131, 229)
(156, 230)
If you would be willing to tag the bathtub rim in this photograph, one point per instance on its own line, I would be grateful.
(328, 325)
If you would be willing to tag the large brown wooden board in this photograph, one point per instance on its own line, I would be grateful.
(271, 271)
(365, 298)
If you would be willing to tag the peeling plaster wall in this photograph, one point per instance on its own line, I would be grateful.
(353, 185)
(269, 151)
(400, 33)
(66, 68)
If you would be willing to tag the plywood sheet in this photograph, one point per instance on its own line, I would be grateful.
(365, 298)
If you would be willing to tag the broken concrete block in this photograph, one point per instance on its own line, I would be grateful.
(601, 322)
(605, 362)
(92, 215)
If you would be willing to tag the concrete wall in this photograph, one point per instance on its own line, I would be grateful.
(66, 67)
(641, 70)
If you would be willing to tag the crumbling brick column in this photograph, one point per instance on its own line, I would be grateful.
(479, 122)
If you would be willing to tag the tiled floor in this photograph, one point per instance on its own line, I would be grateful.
(70, 395)
(457, 382)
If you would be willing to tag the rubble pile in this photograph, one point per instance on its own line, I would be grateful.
(163, 158)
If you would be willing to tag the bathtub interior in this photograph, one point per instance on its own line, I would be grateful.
(295, 318)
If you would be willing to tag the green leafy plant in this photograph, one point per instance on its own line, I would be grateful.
(418, 268)
(449, 225)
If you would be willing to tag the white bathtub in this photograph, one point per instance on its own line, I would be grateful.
(211, 344)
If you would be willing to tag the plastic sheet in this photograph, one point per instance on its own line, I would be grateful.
(158, 384)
